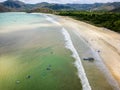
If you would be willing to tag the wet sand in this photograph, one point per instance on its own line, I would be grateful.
(104, 43)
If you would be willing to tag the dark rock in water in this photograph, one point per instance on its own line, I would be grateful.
(48, 69)
(28, 77)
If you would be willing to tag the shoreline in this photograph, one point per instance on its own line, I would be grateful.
(104, 47)
(89, 35)
(78, 63)
(99, 39)
(69, 45)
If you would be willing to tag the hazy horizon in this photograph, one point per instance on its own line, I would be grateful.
(67, 1)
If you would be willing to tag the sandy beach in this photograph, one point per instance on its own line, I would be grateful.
(66, 42)
(105, 42)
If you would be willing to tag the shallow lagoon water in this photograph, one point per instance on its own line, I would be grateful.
(34, 59)
(14, 18)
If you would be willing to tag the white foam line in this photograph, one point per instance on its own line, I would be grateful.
(78, 63)
(52, 20)
(48, 18)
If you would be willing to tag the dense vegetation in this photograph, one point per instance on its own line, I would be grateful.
(42, 10)
(116, 10)
(4, 9)
(104, 19)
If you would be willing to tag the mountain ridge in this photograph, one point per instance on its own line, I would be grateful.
(16, 5)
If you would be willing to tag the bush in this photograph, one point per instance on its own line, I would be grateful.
(104, 19)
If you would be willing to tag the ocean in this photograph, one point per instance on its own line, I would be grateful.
(36, 53)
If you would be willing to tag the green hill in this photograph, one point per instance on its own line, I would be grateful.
(16, 5)
(116, 10)
(4, 9)
(108, 6)
(41, 10)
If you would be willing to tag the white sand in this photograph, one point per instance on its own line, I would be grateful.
(108, 42)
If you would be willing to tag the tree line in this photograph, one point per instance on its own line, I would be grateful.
(108, 20)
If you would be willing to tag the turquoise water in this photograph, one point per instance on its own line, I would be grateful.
(8, 19)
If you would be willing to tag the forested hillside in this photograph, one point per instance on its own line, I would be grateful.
(103, 19)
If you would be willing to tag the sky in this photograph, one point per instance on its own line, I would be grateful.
(68, 1)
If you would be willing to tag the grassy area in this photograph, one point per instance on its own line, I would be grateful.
(103, 19)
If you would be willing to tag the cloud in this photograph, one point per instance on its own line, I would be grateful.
(68, 1)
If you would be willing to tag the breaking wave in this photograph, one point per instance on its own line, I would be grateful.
(78, 63)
